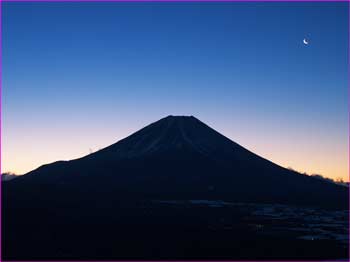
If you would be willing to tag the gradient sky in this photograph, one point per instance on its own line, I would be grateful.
(80, 76)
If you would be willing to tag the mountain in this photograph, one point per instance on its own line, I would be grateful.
(8, 176)
(179, 157)
(117, 203)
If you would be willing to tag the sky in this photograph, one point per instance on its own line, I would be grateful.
(78, 77)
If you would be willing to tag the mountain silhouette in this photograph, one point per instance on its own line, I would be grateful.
(104, 205)
(179, 157)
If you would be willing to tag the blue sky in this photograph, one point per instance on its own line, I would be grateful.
(80, 76)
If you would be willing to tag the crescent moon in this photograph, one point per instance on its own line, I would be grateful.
(305, 42)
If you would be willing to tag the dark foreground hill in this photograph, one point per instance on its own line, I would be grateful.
(110, 204)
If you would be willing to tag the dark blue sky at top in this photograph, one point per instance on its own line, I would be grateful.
(238, 51)
(133, 63)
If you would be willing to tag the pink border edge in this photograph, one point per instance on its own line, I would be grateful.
(189, 1)
(213, 1)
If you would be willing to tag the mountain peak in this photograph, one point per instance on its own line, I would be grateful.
(172, 134)
(179, 117)
(180, 121)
